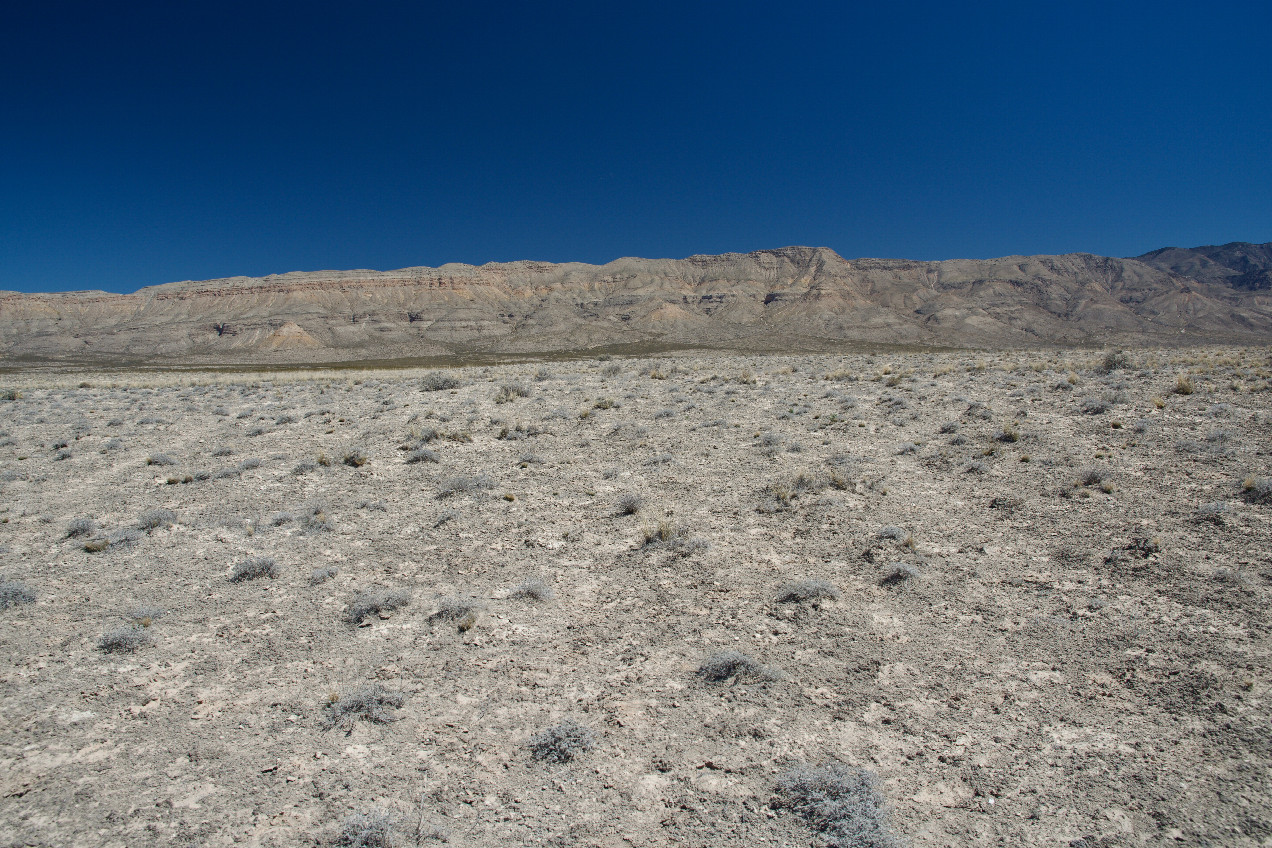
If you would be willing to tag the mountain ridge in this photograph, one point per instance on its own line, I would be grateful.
(733, 300)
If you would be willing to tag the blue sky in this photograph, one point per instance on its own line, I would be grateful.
(149, 142)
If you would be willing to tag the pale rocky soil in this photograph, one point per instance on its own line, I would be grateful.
(1069, 663)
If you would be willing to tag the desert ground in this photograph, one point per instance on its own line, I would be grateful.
(1027, 591)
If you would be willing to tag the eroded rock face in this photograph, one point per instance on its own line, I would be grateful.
(795, 297)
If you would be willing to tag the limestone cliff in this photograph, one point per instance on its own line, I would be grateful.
(795, 297)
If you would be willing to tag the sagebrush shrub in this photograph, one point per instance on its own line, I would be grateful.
(153, 519)
(562, 743)
(898, 572)
(14, 593)
(511, 391)
(840, 802)
(1257, 490)
(80, 527)
(800, 591)
(533, 589)
(421, 454)
(323, 574)
(465, 484)
(254, 569)
(376, 601)
(629, 504)
(144, 616)
(438, 382)
(733, 665)
(370, 703)
(454, 607)
(123, 640)
(367, 830)
(1211, 513)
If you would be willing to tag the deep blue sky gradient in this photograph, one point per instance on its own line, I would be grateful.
(148, 142)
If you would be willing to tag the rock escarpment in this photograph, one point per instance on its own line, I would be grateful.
(791, 298)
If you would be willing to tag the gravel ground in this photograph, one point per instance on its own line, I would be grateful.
(242, 608)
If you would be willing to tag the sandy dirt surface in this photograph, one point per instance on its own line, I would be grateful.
(1046, 619)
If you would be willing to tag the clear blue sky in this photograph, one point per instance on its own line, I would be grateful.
(148, 142)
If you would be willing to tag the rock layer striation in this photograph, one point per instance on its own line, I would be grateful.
(791, 298)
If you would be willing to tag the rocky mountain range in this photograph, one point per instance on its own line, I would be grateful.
(794, 298)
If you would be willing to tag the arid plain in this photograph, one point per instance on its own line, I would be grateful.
(1029, 591)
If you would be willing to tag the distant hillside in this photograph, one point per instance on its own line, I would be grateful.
(795, 298)
(1238, 264)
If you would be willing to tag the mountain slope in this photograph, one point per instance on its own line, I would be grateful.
(1239, 264)
(796, 297)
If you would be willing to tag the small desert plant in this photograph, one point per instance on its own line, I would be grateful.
(675, 538)
(316, 519)
(438, 383)
(897, 573)
(800, 591)
(465, 484)
(123, 640)
(511, 391)
(1114, 360)
(1008, 434)
(160, 459)
(153, 519)
(14, 593)
(80, 527)
(254, 569)
(370, 703)
(322, 575)
(223, 451)
(533, 589)
(1211, 513)
(1092, 477)
(354, 459)
(733, 665)
(144, 616)
(421, 454)
(562, 743)
(249, 463)
(629, 504)
(376, 601)
(891, 532)
(1183, 385)
(1094, 405)
(454, 608)
(1257, 490)
(366, 830)
(840, 802)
